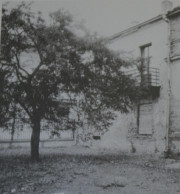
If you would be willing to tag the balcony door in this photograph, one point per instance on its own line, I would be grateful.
(145, 56)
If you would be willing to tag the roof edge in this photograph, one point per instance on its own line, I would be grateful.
(174, 12)
(135, 28)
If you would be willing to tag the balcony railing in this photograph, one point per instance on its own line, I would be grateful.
(149, 78)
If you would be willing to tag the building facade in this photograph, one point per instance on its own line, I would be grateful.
(154, 124)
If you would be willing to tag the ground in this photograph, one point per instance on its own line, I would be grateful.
(84, 171)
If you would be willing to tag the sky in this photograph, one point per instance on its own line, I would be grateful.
(105, 17)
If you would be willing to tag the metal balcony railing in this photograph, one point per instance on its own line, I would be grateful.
(148, 77)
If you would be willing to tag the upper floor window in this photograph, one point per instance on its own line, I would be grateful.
(145, 56)
(145, 50)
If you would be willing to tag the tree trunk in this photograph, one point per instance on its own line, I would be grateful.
(35, 137)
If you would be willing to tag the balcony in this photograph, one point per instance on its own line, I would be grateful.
(147, 79)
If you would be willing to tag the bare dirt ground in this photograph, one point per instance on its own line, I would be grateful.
(76, 171)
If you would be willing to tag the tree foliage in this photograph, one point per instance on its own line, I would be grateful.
(48, 63)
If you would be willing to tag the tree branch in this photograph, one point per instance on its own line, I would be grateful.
(25, 108)
(40, 56)
(17, 67)
(21, 104)
(18, 64)
(35, 71)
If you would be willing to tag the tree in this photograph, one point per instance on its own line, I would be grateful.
(48, 62)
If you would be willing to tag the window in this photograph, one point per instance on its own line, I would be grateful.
(145, 63)
(145, 56)
(144, 119)
(145, 50)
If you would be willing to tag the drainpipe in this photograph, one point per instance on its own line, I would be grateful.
(167, 147)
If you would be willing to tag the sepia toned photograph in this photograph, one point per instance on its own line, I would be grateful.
(90, 97)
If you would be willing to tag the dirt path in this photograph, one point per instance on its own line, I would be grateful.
(68, 173)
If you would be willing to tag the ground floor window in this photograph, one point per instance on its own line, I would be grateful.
(144, 119)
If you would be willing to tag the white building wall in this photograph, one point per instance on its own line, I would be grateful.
(123, 134)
